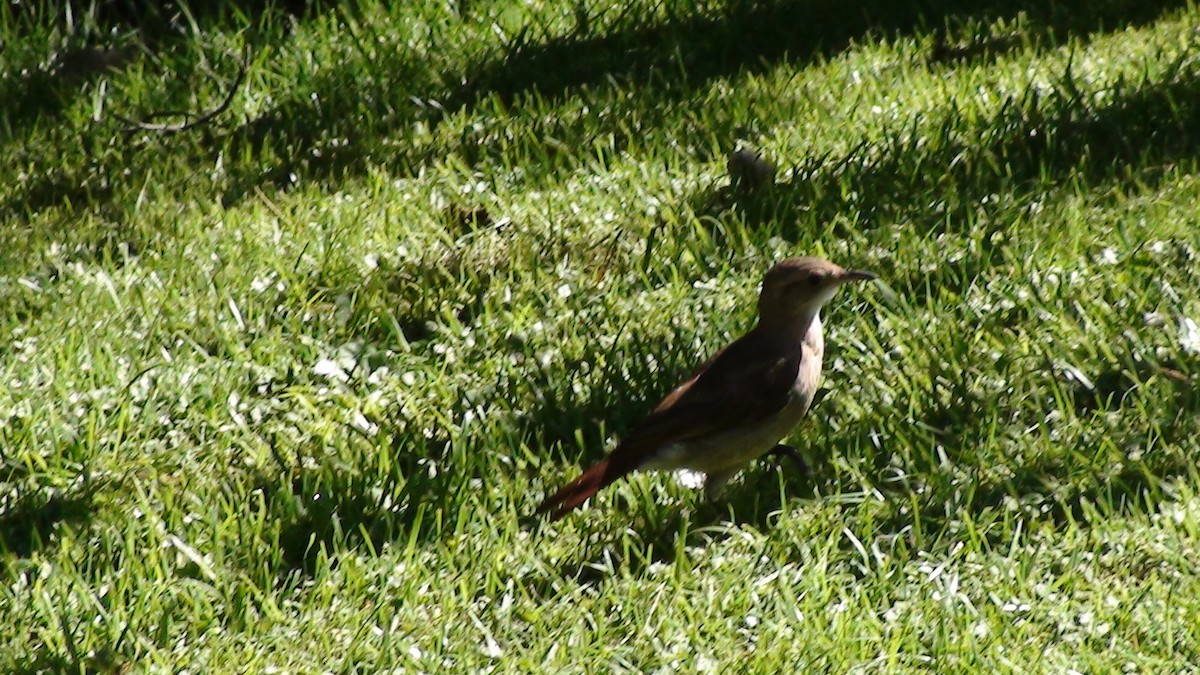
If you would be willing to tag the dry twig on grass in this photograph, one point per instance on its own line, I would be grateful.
(191, 119)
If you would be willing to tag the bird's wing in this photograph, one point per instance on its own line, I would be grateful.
(743, 384)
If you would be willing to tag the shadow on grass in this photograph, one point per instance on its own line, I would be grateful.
(332, 130)
(756, 35)
(627, 388)
(28, 525)
(58, 83)
(157, 20)
(1031, 143)
(657, 533)
(86, 50)
(670, 57)
(1093, 475)
(31, 515)
(350, 504)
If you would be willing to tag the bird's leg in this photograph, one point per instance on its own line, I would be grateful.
(714, 482)
(790, 453)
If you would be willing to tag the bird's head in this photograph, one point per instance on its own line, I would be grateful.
(794, 290)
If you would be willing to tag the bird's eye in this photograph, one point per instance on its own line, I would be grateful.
(814, 279)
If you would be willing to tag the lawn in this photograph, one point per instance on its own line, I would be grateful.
(305, 306)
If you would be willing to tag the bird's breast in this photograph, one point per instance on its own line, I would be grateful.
(804, 389)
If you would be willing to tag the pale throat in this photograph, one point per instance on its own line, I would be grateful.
(803, 325)
(814, 336)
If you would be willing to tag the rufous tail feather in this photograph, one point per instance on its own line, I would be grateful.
(582, 488)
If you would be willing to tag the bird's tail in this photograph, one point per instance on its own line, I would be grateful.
(579, 490)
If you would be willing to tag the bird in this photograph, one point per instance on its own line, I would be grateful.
(739, 404)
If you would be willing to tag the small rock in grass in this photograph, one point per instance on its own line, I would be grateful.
(748, 170)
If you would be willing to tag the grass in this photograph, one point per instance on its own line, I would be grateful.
(281, 391)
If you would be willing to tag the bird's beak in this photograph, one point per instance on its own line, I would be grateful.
(855, 275)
